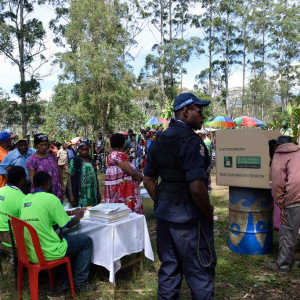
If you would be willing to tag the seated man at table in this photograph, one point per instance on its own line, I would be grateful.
(11, 195)
(42, 210)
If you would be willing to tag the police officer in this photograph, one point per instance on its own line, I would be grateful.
(182, 207)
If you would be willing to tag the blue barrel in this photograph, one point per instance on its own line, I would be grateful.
(250, 220)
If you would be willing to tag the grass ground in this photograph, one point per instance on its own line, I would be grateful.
(237, 276)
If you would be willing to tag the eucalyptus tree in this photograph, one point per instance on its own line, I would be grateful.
(103, 82)
(285, 55)
(220, 24)
(8, 109)
(62, 112)
(227, 46)
(207, 21)
(166, 68)
(22, 42)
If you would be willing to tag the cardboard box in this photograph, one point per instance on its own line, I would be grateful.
(242, 157)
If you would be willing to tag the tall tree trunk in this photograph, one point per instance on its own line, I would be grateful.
(227, 67)
(244, 71)
(210, 84)
(254, 76)
(171, 46)
(263, 53)
(22, 69)
(162, 55)
(181, 57)
(282, 96)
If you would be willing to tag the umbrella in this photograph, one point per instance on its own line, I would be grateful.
(221, 122)
(248, 121)
(156, 121)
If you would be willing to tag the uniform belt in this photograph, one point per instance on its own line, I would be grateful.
(173, 197)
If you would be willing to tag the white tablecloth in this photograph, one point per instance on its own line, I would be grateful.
(113, 241)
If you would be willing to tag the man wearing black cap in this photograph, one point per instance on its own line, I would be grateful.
(184, 215)
(286, 194)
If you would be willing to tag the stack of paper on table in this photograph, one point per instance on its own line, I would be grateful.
(109, 212)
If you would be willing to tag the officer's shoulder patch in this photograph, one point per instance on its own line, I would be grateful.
(202, 151)
(28, 204)
(2, 198)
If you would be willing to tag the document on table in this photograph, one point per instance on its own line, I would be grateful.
(108, 208)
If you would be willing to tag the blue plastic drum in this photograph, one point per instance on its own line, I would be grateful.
(250, 220)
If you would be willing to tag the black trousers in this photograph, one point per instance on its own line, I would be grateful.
(177, 250)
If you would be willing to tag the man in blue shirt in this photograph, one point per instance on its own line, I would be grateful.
(18, 157)
(184, 215)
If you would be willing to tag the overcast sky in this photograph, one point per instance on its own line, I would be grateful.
(9, 74)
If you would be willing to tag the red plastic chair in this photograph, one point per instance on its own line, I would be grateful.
(34, 269)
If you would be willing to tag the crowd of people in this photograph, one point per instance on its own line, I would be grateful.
(174, 165)
(37, 182)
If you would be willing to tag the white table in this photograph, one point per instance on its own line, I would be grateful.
(113, 241)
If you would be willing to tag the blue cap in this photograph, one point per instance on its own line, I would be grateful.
(186, 99)
(4, 136)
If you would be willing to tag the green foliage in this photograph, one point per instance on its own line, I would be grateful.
(255, 39)
(29, 87)
(166, 68)
(97, 62)
(62, 113)
(21, 41)
(11, 116)
(7, 111)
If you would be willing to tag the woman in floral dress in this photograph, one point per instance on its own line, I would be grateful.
(42, 160)
(122, 179)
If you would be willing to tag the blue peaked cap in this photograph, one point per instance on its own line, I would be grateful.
(4, 136)
(186, 99)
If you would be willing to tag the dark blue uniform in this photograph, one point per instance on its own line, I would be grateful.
(178, 226)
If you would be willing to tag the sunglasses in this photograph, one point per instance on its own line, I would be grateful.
(199, 111)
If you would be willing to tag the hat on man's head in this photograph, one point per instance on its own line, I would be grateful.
(284, 139)
(4, 136)
(284, 123)
(20, 138)
(186, 99)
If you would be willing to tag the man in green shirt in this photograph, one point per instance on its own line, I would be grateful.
(42, 210)
(11, 195)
